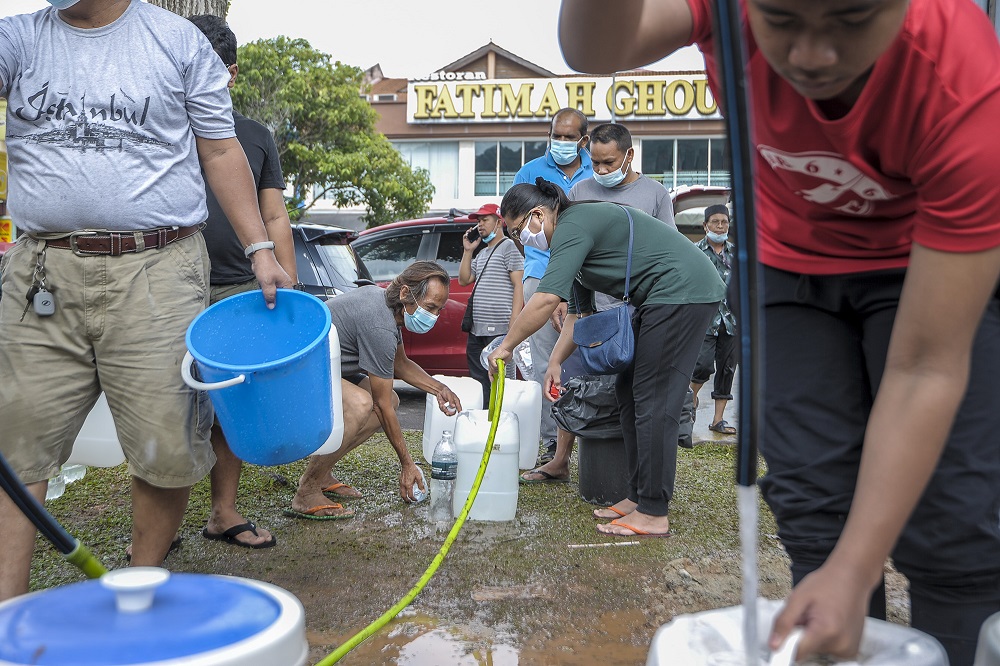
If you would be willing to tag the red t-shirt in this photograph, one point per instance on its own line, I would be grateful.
(917, 159)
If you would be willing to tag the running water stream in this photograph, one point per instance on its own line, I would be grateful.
(747, 500)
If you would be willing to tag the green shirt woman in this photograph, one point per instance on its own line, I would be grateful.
(675, 290)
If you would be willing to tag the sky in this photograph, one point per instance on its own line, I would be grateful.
(408, 38)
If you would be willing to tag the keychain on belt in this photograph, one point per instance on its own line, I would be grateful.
(39, 294)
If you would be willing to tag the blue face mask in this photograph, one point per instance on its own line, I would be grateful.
(613, 178)
(63, 4)
(420, 321)
(717, 238)
(487, 239)
(563, 152)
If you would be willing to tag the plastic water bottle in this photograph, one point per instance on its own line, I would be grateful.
(444, 469)
(57, 486)
(522, 357)
(418, 494)
(73, 472)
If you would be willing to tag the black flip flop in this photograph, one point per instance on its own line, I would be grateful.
(722, 428)
(548, 478)
(229, 536)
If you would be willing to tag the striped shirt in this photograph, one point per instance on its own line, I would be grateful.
(494, 298)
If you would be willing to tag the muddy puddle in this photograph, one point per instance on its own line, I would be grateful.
(415, 639)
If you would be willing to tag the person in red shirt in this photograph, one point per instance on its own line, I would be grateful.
(877, 198)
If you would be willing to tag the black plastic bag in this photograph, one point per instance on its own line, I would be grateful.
(589, 408)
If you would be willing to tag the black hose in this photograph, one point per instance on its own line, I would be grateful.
(732, 68)
(34, 511)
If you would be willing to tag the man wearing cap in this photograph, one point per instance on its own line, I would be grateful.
(565, 163)
(718, 352)
(497, 298)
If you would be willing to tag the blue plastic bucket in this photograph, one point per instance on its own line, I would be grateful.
(267, 372)
(192, 619)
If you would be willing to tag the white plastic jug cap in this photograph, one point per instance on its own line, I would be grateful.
(134, 587)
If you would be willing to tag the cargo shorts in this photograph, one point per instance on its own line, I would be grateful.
(118, 326)
(221, 292)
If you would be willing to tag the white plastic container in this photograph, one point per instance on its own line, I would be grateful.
(468, 390)
(524, 399)
(97, 444)
(336, 438)
(497, 497)
(716, 637)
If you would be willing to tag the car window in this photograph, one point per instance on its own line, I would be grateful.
(341, 261)
(450, 251)
(386, 258)
(308, 272)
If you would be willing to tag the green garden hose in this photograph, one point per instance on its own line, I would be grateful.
(496, 402)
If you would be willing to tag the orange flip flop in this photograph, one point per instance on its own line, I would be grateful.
(352, 492)
(611, 509)
(636, 532)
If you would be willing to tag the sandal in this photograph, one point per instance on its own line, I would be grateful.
(722, 428)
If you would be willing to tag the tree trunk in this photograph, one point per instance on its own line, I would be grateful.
(187, 8)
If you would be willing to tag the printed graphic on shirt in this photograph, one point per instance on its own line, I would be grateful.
(108, 125)
(826, 179)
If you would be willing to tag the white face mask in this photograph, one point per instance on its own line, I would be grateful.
(615, 177)
(63, 4)
(535, 240)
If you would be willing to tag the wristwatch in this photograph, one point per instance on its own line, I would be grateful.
(253, 247)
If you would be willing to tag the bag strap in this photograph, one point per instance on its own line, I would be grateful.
(628, 264)
(485, 266)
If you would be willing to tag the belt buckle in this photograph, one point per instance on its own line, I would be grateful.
(76, 248)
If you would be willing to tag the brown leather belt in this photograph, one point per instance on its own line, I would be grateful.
(115, 243)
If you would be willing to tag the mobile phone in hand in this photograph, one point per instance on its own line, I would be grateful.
(472, 234)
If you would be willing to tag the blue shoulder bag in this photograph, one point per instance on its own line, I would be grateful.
(605, 339)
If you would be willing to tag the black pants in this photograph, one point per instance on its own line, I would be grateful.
(826, 342)
(651, 395)
(718, 355)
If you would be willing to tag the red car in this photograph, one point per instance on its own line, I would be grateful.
(388, 249)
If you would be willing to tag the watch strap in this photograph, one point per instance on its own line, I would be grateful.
(253, 247)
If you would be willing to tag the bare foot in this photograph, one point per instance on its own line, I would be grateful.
(637, 524)
(619, 510)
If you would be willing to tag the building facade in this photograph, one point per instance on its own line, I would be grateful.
(475, 122)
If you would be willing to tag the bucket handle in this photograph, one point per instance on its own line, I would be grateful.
(202, 386)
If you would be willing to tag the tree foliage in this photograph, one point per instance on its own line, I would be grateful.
(325, 131)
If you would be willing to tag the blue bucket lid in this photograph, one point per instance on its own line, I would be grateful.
(78, 624)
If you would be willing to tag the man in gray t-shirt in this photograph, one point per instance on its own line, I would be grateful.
(369, 334)
(367, 320)
(614, 179)
(111, 107)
